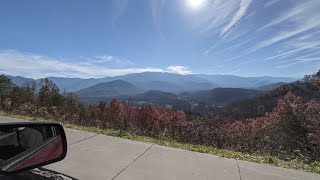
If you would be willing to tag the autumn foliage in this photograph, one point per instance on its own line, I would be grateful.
(284, 122)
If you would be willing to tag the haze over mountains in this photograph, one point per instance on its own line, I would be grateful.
(168, 82)
(180, 91)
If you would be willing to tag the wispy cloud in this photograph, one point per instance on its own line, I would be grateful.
(236, 57)
(288, 34)
(216, 15)
(244, 6)
(285, 54)
(308, 57)
(309, 36)
(226, 49)
(299, 61)
(103, 58)
(233, 72)
(250, 15)
(207, 51)
(292, 30)
(286, 16)
(271, 3)
(157, 10)
(317, 54)
(299, 47)
(110, 59)
(179, 70)
(36, 66)
(303, 17)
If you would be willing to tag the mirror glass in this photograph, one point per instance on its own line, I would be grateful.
(26, 146)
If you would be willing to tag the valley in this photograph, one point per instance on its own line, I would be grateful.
(193, 92)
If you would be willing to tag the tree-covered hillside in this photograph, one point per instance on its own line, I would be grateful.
(284, 122)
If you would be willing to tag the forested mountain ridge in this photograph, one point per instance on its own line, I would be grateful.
(109, 89)
(220, 96)
(168, 82)
(307, 89)
(284, 122)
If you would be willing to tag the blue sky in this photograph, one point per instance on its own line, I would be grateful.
(99, 38)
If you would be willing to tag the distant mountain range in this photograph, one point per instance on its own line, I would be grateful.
(167, 82)
(231, 81)
(166, 88)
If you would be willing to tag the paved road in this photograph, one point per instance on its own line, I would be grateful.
(92, 156)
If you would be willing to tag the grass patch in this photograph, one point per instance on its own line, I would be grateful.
(313, 167)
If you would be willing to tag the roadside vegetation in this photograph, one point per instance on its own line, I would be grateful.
(256, 158)
(281, 127)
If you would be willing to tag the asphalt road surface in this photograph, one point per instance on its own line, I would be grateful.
(92, 156)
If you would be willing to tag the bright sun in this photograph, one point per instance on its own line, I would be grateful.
(195, 4)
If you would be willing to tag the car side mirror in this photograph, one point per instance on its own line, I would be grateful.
(24, 146)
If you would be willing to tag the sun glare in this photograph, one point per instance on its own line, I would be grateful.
(195, 4)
